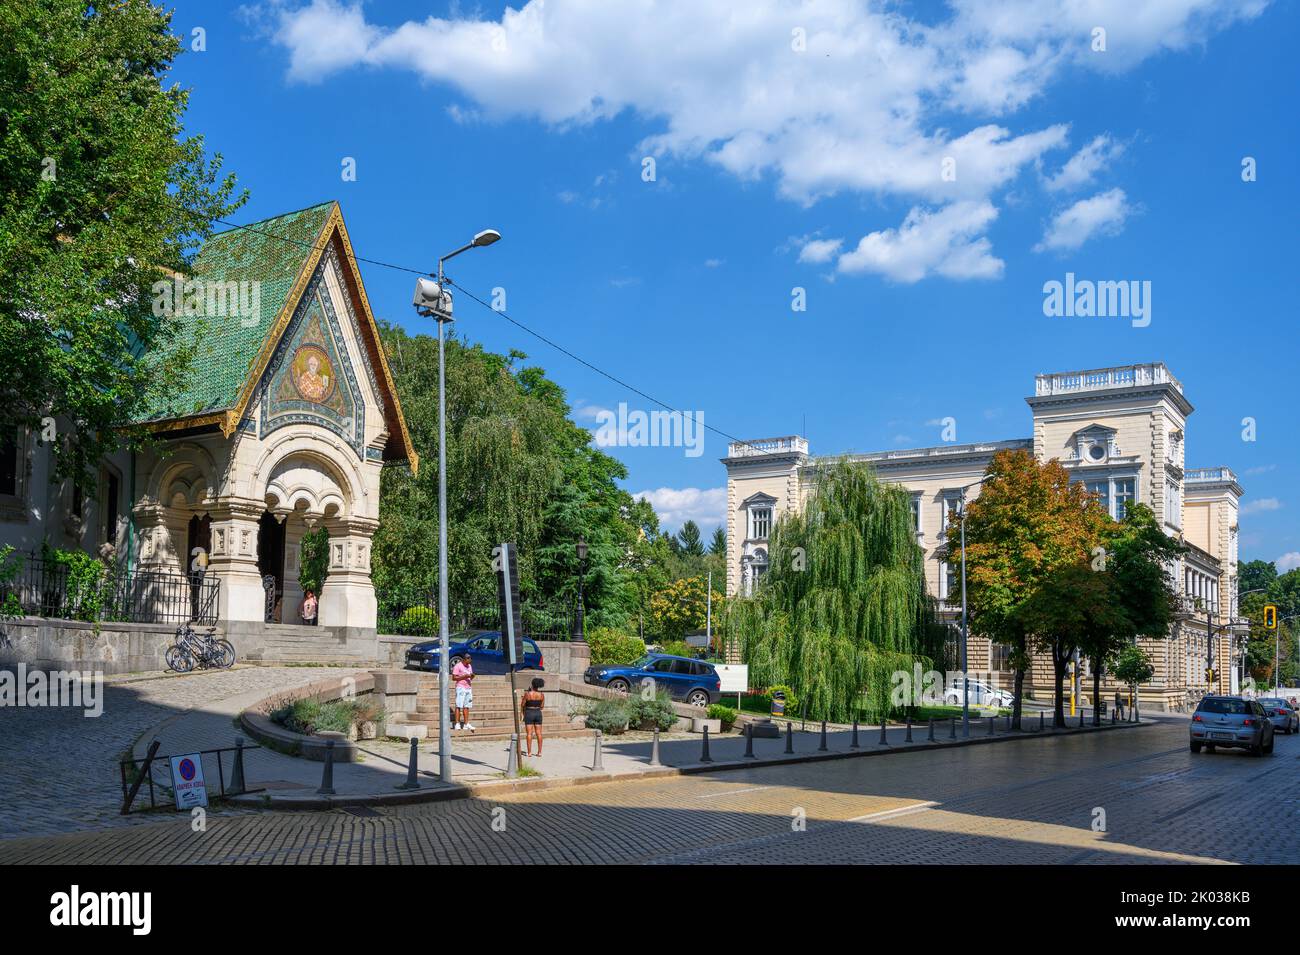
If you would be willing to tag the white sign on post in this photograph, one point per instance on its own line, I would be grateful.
(734, 676)
(187, 781)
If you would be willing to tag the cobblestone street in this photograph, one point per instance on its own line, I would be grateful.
(60, 768)
(1033, 801)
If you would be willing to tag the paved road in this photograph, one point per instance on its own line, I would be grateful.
(1029, 801)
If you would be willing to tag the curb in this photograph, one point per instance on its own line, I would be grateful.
(494, 787)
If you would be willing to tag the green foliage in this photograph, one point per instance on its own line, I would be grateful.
(718, 543)
(85, 596)
(11, 567)
(843, 605)
(609, 716)
(656, 711)
(314, 559)
(100, 194)
(791, 698)
(725, 714)
(310, 715)
(682, 606)
(678, 648)
(690, 539)
(417, 622)
(1132, 665)
(610, 646)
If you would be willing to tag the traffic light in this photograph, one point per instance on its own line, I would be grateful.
(1209, 675)
(1270, 617)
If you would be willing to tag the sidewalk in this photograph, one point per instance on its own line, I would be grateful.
(292, 783)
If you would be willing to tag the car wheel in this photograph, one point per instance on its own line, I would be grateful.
(697, 698)
(619, 685)
(1268, 750)
(1196, 747)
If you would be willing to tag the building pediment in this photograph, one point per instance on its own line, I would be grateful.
(757, 500)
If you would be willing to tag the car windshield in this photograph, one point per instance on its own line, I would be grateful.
(1273, 702)
(1224, 706)
(643, 661)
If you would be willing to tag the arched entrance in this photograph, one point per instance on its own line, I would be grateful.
(270, 564)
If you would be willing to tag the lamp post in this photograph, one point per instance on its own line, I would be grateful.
(1233, 608)
(579, 623)
(965, 678)
(433, 300)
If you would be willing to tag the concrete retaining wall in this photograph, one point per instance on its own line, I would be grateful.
(76, 645)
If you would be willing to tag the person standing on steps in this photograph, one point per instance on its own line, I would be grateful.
(308, 609)
(531, 706)
(463, 674)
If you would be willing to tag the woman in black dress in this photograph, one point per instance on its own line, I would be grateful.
(532, 705)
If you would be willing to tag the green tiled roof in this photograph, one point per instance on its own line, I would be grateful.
(228, 346)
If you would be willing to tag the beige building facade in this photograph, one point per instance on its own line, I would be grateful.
(1120, 431)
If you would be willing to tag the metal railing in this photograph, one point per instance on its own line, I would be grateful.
(52, 588)
(136, 773)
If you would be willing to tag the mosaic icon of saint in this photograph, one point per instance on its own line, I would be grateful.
(313, 382)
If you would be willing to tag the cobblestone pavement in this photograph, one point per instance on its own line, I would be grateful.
(59, 769)
(1032, 802)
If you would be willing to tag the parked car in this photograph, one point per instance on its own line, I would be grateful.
(1233, 722)
(485, 648)
(1283, 714)
(981, 694)
(687, 680)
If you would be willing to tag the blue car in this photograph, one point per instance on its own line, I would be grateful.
(690, 681)
(484, 647)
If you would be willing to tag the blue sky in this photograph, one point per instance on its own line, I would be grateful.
(804, 146)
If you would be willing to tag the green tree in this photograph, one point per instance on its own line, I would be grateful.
(1132, 667)
(843, 605)
(690, 539)
(313, 560)
(101, 194)
(682, 607)
(718, 543)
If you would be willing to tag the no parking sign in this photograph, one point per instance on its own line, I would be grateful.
(187, 781)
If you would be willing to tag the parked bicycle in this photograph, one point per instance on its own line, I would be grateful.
(204, 651)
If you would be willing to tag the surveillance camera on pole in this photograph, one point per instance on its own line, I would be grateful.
(432, 300)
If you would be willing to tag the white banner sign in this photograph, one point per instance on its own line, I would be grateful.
(735, 677)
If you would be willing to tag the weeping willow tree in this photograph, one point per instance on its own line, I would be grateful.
(843, 605)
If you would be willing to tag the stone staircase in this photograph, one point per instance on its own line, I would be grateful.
(295, 643)
(491, 715)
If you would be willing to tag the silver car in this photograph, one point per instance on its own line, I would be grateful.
(1231, 721)
(1283, 714)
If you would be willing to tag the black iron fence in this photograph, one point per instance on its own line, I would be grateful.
(87, 590)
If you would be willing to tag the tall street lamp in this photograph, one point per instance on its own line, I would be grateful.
(965, 685)
(433, 300)
(579, 624)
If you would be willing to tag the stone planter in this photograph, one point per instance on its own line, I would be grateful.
(699, 723)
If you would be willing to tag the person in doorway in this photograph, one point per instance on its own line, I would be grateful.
(531, 706)
(308, 609)
(463, 674)
(1119, 705)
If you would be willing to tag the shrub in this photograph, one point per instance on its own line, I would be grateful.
(314, 560)
(608, 716)
(725, 714)
(657, 711)
(679, 648)
(613, 647)
(417, 622)
(310, 715)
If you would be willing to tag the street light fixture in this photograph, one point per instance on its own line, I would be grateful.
(433, 300)
(579, 625)
(965, 677)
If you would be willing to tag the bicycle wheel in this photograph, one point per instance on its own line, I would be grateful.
(178, 659)
(225, 654)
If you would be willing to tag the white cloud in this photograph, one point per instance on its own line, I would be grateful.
(1288, 561)
(1262, 469)
(1085, 164)
(819, 250)
(1260, 505)
(876, 103)
(947, 242)
(713, 263)
(1103, 214)
(675, 506)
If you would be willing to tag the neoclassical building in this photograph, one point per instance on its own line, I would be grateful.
(284, 424)
(1122, 432)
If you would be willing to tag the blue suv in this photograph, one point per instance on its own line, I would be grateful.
(485, 648)
(690, 681)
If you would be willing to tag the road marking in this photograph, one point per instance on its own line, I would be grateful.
(890, 813)
(733, 792)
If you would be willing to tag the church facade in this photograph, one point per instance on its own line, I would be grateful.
(1122, 432)
(287, 417)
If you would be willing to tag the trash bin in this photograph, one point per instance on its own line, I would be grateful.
(778, 703)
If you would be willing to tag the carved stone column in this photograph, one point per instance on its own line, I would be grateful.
(348, 597)
(233, 560)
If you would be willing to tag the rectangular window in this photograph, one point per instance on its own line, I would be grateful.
(1173, 505)
(1102, 490)
(9, 462)
(1124, 492)
(760, 519)
(951, 512)
(110, 507)
(916, 513)
(1000, 657)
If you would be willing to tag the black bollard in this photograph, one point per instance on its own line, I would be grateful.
(822, 746)
(789, 738)
(1114, 716)
(512, 761)
(704, 753)
(327, 775)
(1008, 723)
(932, 729)
(237, 785)
(749, 741)
(854, 744)
(1040, 721)
(654, 749)
(1081, 717)
(413, 768)
(952, 728)
(908, 737)
(598, 762)
(992, 729)
(884, 740)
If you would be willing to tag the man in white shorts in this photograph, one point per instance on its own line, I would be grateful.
(463, 674)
